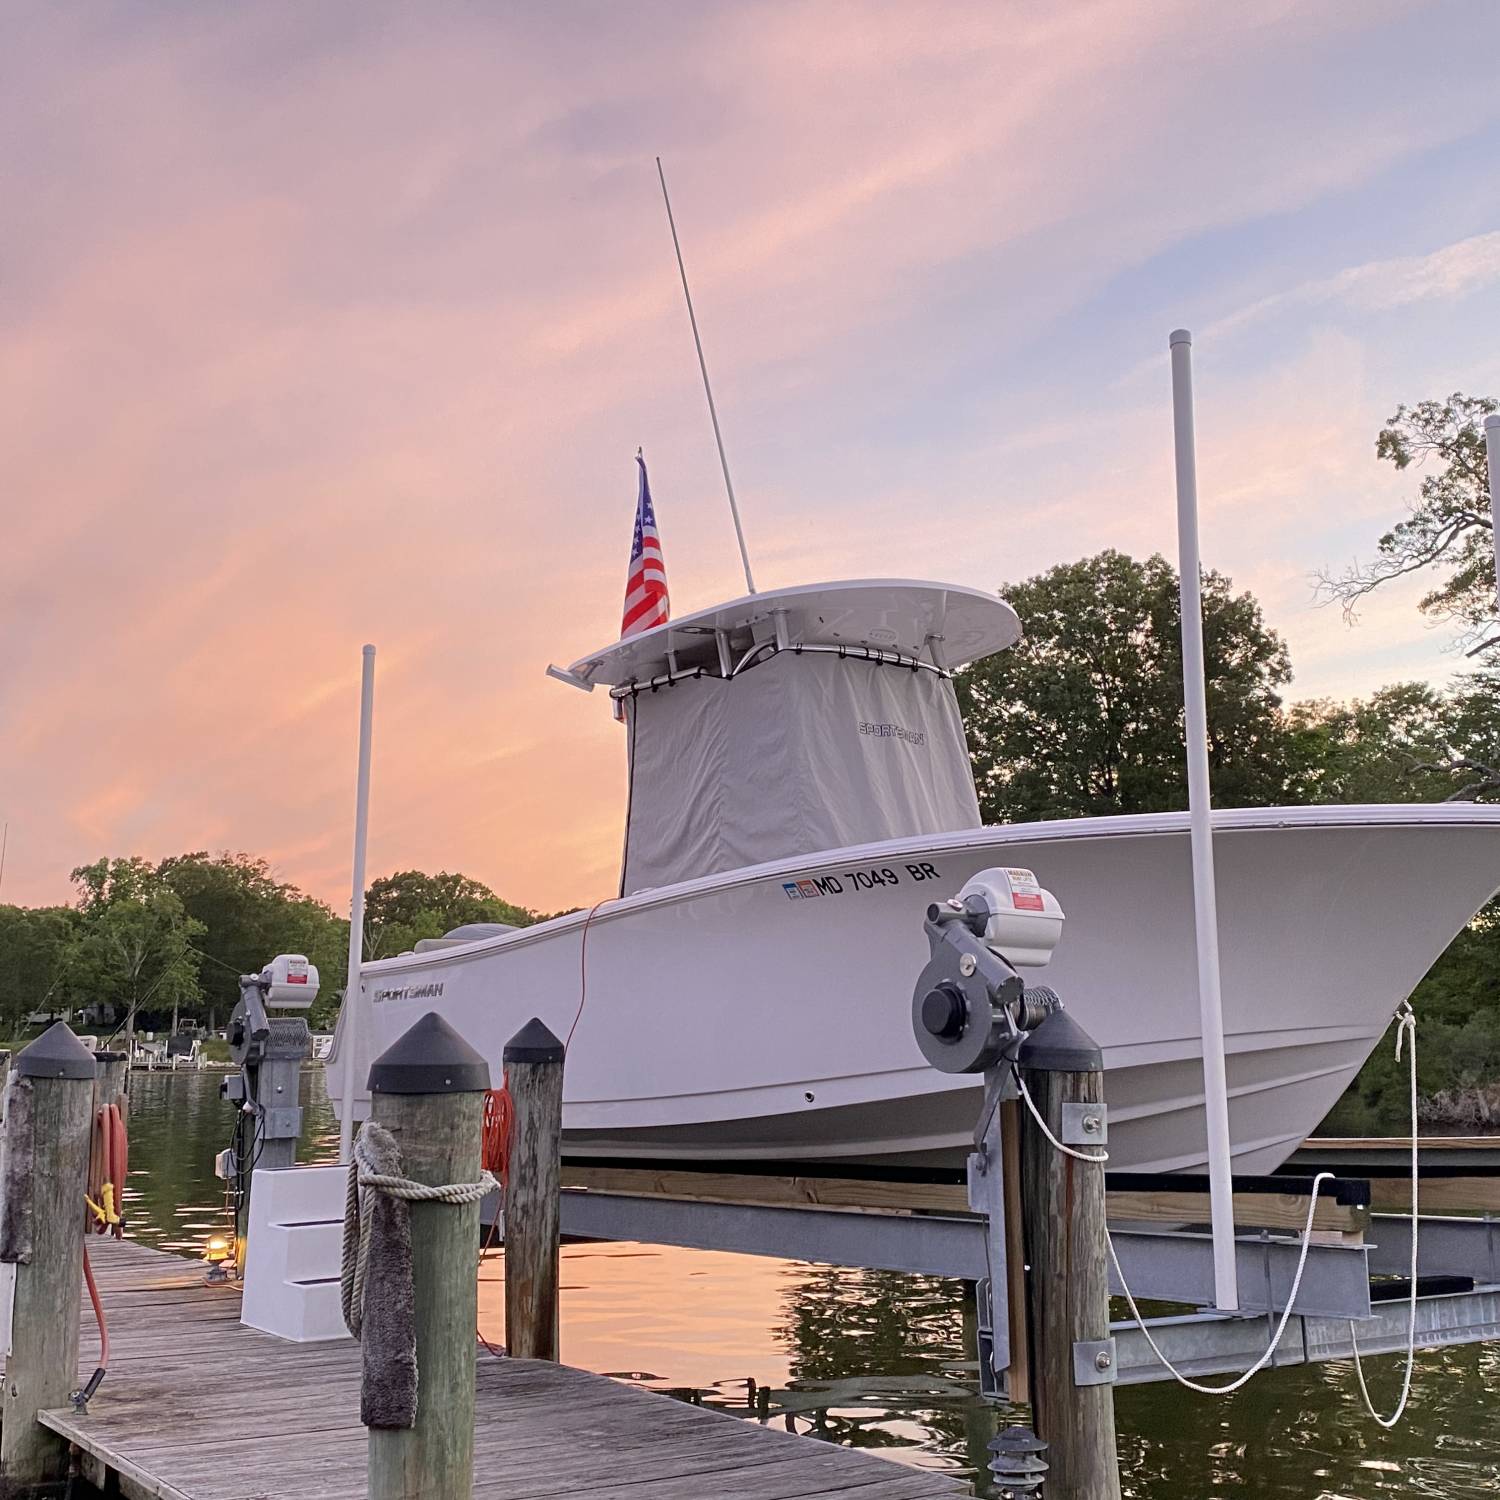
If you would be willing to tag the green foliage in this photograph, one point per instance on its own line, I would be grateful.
(1084, 716)
(32, 972)
(177, 936)
(1405, 743)
(1458, 1057)
(134, 942)
(247, 917)
(403, 908)
(1449, 529)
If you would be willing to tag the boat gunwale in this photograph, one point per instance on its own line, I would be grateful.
(1116, 825)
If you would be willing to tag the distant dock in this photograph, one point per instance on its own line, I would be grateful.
(198, 1407)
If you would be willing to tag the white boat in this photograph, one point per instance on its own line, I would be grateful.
(799, 794)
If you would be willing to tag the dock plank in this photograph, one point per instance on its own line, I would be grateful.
(198, 1407)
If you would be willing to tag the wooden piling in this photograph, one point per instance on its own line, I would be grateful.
(533, 1207)
(42, 1370)
(112, 1081)
(1067, 1252)
(428, 1090)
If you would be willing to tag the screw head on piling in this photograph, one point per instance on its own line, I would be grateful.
(56, 1053)
(430, 1057)
(1016, 1462)
(534, 1043)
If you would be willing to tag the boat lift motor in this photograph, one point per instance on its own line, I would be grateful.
(971, 1011)
(269, 1051)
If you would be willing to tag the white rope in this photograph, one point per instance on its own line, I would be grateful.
(419, 1192)
(1057, 1145)
(1286, 1315)
(1406, 1029)
(359, 1210)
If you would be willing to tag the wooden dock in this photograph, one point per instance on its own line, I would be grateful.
(198, 1407)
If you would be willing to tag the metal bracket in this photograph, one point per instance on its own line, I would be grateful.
(281, 1123)
(991, 1380)
(1095, 1362)
(1085, 1124)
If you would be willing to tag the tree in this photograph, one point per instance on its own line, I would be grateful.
(1405, 743)
(248, 917)
(403, 908)
(32, 973)
(1084, 715)
(1449, 530)
(134, 944)
(1409, 743)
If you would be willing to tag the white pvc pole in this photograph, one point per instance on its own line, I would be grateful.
(347, 1042)
(1200, 814)
(1492, 447)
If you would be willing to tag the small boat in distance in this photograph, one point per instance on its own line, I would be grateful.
(799, 793)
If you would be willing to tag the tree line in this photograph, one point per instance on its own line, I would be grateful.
(158, 945)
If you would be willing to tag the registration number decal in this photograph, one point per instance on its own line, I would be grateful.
(850, 882)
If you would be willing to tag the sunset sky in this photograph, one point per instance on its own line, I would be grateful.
(334, 323)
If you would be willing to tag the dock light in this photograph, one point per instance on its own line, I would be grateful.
(1017, 1464)
(217, 1254)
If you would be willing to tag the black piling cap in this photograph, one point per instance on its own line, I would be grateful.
(1061, 1045)
(430, 1057)
(56, 1053)
(534, 1043)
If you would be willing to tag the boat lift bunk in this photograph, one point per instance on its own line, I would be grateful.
(885, 1220)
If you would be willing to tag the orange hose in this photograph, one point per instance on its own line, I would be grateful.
(109, 1160)
(499, 1126)
(93, 1286)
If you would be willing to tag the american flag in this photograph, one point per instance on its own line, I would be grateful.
(646, 583)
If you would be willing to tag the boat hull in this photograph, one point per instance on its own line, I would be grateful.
(765, 1014)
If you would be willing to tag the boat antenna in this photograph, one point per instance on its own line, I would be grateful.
(713, 413)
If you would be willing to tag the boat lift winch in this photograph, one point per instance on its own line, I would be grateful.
(971, 1013)
(269, 1052)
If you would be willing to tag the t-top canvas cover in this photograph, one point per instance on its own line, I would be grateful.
(798, 754)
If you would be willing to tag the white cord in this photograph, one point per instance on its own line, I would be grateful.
(1286, 1315)
(1036, 1114)
(1406, 1028)
(1281, 1327)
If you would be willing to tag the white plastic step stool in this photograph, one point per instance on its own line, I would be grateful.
(292, 1253)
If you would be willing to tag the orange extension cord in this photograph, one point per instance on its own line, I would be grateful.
(109, 1159)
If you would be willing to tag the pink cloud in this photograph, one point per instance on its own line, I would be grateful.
(344, 326)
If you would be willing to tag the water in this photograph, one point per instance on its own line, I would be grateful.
(877, 1360)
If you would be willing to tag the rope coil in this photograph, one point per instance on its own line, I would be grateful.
(365, 1183)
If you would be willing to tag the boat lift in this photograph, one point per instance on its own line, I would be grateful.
(971, 1009)
(1458, 1269)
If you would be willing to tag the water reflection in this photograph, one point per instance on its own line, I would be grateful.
(878, 1360)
